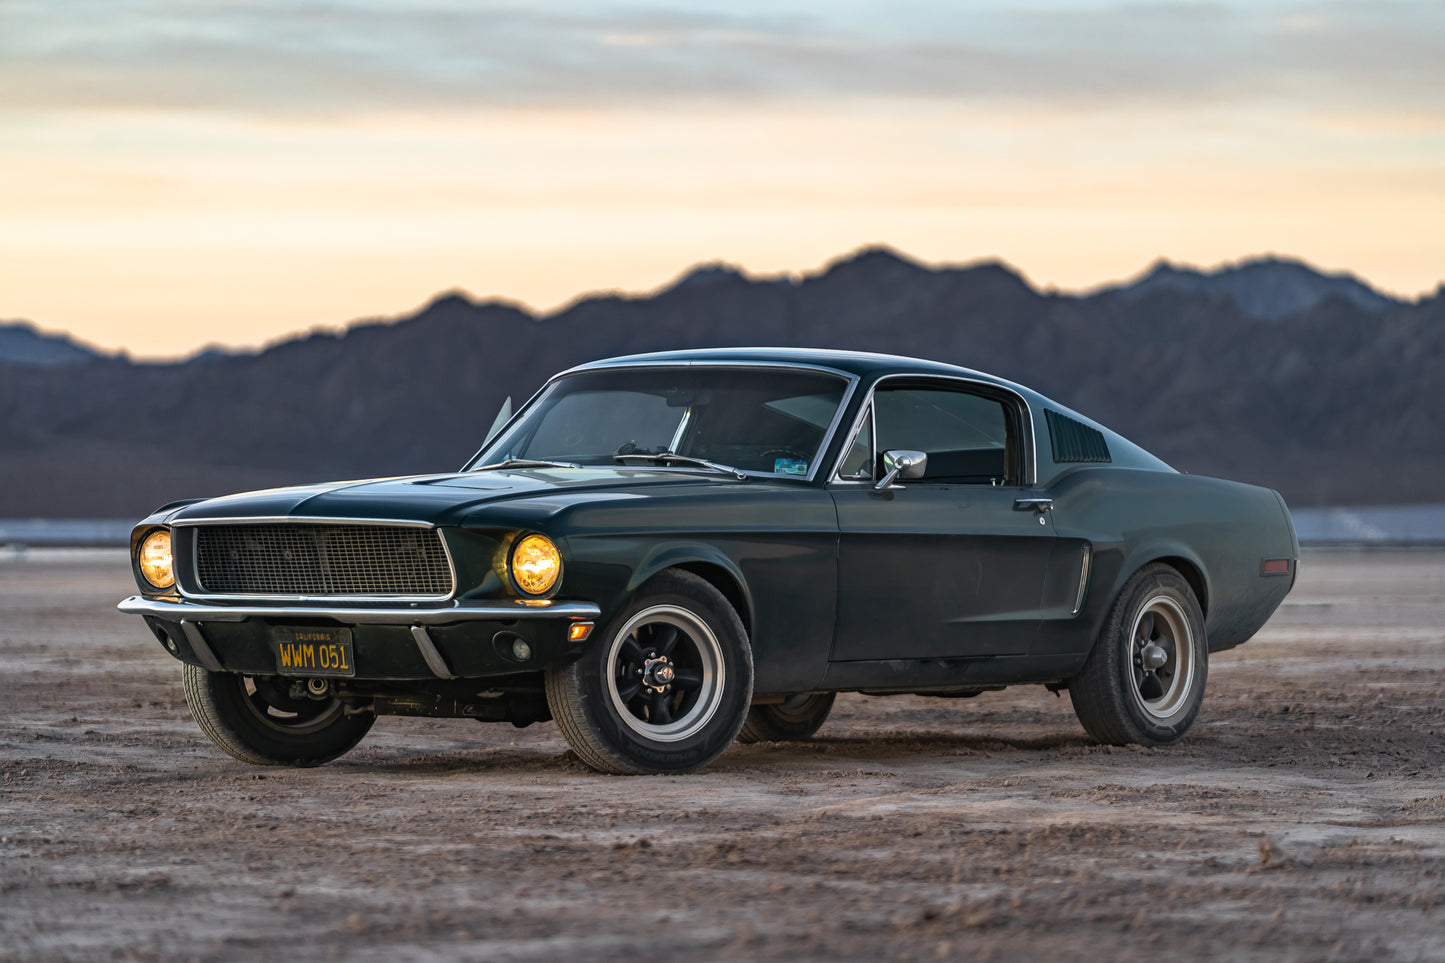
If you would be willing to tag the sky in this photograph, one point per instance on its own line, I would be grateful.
(175, 174)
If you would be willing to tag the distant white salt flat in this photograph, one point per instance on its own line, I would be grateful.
(1371, 525)
(17, 533)
(1378, 524)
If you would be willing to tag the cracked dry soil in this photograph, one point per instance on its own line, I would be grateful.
(1303, 818)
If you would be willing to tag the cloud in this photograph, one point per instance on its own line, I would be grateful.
(309, 56)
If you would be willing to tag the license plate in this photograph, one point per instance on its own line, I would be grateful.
(314, 651)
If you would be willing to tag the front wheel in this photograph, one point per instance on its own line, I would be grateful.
(1144, 681)
(259, 720)
(664, 689)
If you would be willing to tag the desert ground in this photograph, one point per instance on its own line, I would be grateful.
(1302, 819)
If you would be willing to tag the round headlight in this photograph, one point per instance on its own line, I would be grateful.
(155, 559)
(536, 563)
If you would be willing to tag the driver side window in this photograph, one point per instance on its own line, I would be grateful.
(967, 436)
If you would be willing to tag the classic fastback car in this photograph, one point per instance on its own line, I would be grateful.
(667, 552)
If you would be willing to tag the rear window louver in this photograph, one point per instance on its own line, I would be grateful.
(1074, 440)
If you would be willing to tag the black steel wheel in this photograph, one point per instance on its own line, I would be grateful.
(663, 688)
(1144, 681)
(259, 720)
(796, 717)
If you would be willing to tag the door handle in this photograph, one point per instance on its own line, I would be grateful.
(1039, 505)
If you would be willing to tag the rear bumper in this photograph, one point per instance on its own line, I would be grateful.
(400, 642)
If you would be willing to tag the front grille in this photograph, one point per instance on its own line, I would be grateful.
(321, 559)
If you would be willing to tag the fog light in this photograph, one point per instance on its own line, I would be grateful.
(521, 651)
(578, 631)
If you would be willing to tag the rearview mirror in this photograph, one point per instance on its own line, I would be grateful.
(901, 463)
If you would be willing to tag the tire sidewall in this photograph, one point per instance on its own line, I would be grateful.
(634, 750)
(1149, 729)
(223, 713)
(775, 723)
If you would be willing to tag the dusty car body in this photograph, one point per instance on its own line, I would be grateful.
(663, 552)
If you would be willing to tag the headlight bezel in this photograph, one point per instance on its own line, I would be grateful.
(148, 564)
(526, 585)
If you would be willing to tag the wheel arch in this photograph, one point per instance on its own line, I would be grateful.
(1177, 557)
(708, 564)
(1192, 573)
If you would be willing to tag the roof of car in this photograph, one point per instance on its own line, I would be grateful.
(859, 363)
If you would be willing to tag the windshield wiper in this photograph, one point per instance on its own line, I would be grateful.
(674, 456)
(527, 463)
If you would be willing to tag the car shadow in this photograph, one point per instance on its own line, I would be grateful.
(839, 750)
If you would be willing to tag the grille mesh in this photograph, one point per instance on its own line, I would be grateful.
(309, 559)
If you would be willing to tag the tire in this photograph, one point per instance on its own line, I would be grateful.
(666, 685)
(798, 717)
(255, 719)
(1125, 694)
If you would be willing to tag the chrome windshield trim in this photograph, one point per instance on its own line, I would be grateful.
(194, 549)
(1027, 447)
(409, 615)
(852, 380)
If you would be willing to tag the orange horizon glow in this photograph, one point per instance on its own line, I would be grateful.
(162, 205)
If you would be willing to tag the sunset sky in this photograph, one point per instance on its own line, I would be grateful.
(176, 173)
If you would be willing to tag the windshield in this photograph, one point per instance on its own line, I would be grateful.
(771, 420)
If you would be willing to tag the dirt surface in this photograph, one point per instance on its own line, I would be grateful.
(1303, 818)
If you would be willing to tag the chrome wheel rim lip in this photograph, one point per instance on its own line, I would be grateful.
(1171, 622)
(708, 650)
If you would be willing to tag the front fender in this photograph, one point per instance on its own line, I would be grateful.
(667, 555)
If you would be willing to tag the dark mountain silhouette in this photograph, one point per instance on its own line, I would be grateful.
(22, 343)
(1267, 288)
(1335, 402)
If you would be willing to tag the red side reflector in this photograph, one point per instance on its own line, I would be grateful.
(1274, 566)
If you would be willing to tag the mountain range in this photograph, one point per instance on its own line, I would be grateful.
(1268, 371)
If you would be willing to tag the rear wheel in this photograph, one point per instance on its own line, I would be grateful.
(796, 717)
(259, 720)
(1144, 681)
(666, 685)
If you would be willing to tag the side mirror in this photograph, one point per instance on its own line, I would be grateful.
(901, 463)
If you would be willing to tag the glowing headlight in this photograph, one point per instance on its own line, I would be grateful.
(155, 559)
(536, 564)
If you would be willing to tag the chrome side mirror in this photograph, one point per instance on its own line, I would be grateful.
(901, 463)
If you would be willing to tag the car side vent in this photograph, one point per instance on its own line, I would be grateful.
(1074, 440)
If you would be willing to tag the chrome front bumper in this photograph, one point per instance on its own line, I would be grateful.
(403, 615)
(192, 617)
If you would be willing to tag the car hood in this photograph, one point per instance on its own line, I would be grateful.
(451, 499)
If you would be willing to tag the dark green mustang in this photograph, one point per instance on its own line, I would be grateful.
(667, 552)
